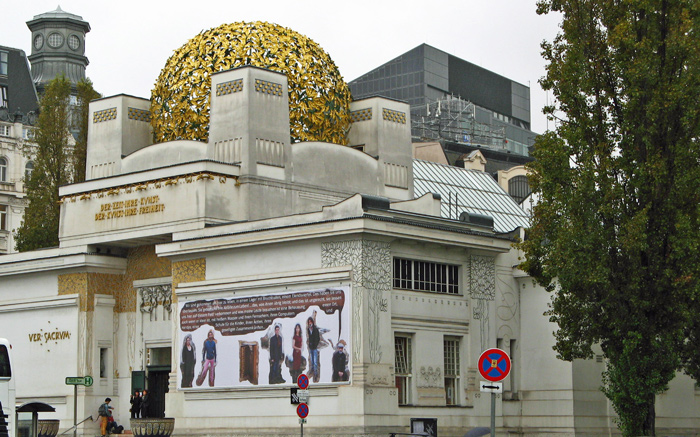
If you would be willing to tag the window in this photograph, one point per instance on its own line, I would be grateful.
(3, 170)
(55, 40)
(518, 188)
(28, 168)
(73, 42)
(103, 362)
(426, 276)
(402, 368)
(5, 130)
(5, 368)
(28, 133)
(3, 217)
(4, 102)
(3, 63)
(451, 352)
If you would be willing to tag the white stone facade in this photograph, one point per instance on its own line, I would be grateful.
(159, 228)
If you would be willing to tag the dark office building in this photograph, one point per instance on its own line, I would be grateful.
(454, 100)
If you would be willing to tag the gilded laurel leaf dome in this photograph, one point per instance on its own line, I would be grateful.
(319, 98)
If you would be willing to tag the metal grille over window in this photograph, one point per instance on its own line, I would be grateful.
(426, 276)
(518, 188)
(402, 368)
(451, 348)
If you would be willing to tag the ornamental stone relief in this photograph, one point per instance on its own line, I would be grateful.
(482, 280)
(156, 296)
(371, 270)
(482, 288)
(131, 342)
(429, 377)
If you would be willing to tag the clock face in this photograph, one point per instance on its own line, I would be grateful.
(73, 42)
(38, 41)
(55, 40)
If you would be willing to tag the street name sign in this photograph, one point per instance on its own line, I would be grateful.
(79, 380)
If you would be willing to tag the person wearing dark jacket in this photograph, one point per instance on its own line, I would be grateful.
(276, 357)
(312, 340)
(145, 404)
(135, 405)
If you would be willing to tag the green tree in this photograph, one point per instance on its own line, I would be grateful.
(617, 228)
(86, 93)
(52, 168)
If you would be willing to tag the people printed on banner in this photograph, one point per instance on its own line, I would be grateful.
(208, 359)
(276, 357)
(188, 360)
(340, 363)
(297, 363)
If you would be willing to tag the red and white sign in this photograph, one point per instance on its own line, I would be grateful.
(494, 364)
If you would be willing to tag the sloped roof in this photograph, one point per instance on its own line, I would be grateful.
(472, 191)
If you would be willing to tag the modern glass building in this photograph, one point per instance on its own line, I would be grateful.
(454, 100)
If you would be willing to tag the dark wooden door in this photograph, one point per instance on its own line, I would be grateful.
(157, 388)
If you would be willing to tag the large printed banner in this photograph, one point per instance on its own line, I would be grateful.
(266, 339)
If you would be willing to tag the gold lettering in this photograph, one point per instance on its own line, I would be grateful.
(105, 207)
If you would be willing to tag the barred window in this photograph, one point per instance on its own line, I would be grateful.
(402, 368)
(426, 276)
(518, 188)
(451, 364)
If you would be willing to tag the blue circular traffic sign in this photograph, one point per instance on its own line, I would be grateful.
(302, 410)
(303, 381)
(494, 364)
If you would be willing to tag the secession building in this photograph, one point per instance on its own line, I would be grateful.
(185, 267)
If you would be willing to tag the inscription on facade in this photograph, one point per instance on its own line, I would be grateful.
(126, 208)
(49, 336)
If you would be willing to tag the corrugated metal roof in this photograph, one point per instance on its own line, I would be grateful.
(468, 190)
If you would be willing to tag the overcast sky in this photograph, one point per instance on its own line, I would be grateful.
(130, 40)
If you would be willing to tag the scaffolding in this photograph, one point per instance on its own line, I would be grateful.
(453, 119)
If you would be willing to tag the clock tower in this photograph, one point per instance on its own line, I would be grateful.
(58, 46)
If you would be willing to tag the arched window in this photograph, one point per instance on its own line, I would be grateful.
(28, 169)
(3, 170)
(518, 188)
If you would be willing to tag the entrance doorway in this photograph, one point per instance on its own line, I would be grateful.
(158, 374)
(157, 388)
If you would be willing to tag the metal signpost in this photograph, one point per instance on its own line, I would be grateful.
(494, 366)
(302, 399)
(75, 381)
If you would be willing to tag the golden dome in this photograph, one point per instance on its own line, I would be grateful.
(319, 98)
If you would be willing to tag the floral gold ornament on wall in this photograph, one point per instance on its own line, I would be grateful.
(319, 98)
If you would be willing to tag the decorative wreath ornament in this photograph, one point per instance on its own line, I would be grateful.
(319, 98)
